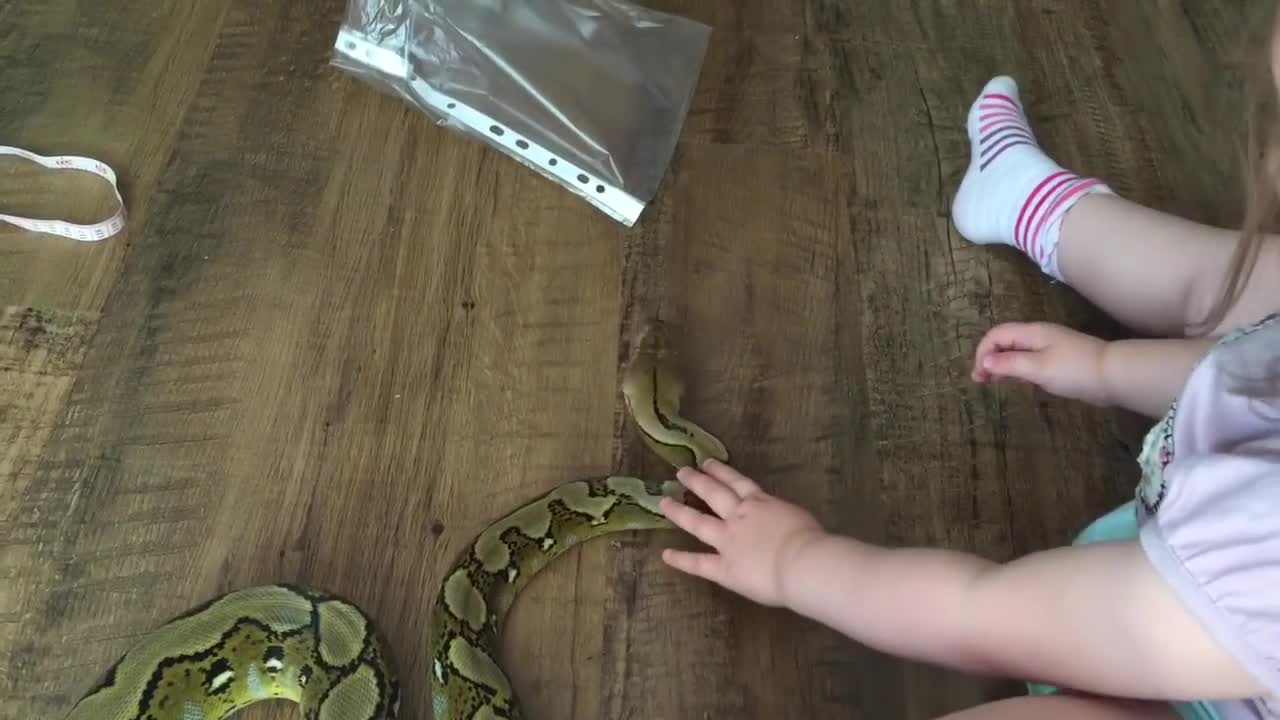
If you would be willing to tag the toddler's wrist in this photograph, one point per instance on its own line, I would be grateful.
(1106, 393)
(793, 573)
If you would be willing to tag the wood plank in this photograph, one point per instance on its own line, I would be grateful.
(744, 281)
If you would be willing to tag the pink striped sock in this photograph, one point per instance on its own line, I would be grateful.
(1014, 194)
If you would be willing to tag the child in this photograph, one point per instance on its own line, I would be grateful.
(1172, 603)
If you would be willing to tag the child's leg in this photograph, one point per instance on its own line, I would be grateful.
(1152, 271)
(1065, 707)
(1156, 272)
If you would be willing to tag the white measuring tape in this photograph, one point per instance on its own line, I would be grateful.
(83, 233)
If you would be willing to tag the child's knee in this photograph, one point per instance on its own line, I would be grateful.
(1227, 299)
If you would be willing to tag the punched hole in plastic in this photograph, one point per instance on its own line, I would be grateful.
(522, 144)
(583, 178)
(600, 188)
(496, 130)
(553, 162)
(452, 105)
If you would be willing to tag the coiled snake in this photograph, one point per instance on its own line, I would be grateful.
(324, 653)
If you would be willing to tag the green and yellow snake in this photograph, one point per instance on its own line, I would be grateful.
(324, 653)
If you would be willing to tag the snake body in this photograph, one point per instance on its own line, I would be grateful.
(324, 653)
(260, 643)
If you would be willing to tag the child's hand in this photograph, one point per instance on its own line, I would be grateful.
(755, 533)
(1057, 359)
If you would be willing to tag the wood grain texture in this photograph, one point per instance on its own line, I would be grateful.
(336, 340)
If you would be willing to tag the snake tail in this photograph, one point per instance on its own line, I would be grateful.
(653, 392)
(274, 642)
(466, 679)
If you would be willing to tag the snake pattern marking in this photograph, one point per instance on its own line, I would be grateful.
(324, 653)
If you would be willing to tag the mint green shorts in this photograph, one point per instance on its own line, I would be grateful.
(1122, 524)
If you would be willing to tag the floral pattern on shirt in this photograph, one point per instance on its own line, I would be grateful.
(1158, 447)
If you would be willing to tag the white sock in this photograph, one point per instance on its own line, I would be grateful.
(1014, 194)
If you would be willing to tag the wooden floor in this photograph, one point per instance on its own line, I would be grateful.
(337, 339)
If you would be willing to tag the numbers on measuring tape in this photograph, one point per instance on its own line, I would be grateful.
(84, 233)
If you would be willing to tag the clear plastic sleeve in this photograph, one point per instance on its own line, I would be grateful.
(592, 94)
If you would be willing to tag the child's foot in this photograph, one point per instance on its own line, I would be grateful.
(1014, 194)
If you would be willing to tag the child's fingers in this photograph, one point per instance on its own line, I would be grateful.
(707, 566)
(1011, 336)
(739, 483)
(1027, 366)
(706, 528)
(714, 493)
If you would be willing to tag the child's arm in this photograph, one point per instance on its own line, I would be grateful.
(1144, 376)
(1095, 618)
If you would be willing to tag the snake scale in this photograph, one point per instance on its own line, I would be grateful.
(325, 654)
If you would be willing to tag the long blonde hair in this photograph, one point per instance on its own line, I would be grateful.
(1262, 165)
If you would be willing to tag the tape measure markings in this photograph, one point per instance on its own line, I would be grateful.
(85, 233)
